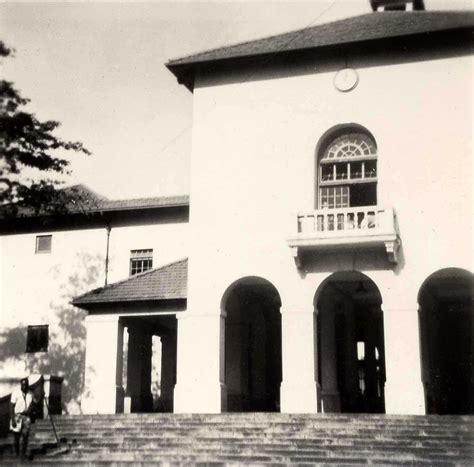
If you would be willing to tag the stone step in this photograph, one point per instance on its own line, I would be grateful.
(273, 427)
(244, 458)
(152, 419)
(257, 439)
(236, 434)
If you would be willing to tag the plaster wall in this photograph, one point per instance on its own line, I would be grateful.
(37, 289)
(253, 168)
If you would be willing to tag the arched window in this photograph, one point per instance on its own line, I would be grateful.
(348, 171)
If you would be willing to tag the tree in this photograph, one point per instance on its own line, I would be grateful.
(29, 146)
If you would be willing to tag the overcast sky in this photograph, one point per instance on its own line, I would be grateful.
(98, 68)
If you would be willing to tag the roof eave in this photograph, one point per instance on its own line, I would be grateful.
(185, 72)
(94, 305)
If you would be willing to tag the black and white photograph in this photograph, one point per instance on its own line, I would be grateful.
(237, 233)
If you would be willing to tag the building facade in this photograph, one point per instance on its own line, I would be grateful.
(330, 233)
(46, 261)
(335, 152)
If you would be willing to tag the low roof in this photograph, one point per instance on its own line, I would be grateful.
(168, 282)
(359, 29)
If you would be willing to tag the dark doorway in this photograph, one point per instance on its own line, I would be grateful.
(150, 362)
(351, 360)
(446, 331)
(252, 346)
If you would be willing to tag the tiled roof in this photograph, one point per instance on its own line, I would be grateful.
(368, 27)
(83, 200)
(144, 203)
(168, 282)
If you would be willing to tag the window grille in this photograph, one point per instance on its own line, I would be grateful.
(348, 172)
(140, 261)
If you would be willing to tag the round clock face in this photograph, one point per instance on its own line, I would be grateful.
(346, 79)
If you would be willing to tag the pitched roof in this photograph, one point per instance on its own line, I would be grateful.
(144, 203)
(364, 28)
(80, 199)
(168, 282)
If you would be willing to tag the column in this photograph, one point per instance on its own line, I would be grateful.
(139, 369)
(200, 384)
(103, 392)
(299, 390)
(168, 370)
(329, 392)
(404, 388)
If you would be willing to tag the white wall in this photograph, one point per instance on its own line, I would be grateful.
(37, 288)
(168, 241)
(253, 168)
(253, 163)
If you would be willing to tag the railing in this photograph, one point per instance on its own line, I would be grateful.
(361, 227)
(347, 221)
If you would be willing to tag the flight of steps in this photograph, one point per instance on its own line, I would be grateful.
(258, 438)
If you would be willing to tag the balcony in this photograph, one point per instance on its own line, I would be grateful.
(359, 228)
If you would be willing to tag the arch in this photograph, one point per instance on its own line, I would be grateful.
(346, 167)
(250, 280)
(253, 373)
(446, 338)
(341, 274)
(350, 337)
(338, 130)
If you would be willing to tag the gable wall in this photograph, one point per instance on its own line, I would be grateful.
(253, 168)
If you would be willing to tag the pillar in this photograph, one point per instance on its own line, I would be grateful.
(200, 384)
(139, 369)
(329, 390)
(403, 389)
(103, 392)
(168, 371)
(299, 389)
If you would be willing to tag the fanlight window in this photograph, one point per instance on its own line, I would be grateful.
(348, 172)
(349, 146)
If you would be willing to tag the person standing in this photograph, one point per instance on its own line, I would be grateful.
(21, 406)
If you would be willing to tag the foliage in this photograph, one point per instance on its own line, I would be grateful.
(28, 145)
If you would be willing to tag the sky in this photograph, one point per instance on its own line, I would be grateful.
(99, 69)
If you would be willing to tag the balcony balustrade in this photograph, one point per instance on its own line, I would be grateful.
(358, 227)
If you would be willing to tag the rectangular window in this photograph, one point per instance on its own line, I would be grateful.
(140, 261)
(43, 243)
(334, 197)
(37, 338)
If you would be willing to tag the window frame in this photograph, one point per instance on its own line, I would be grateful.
(41, 251)
(142, 256)
(338, 171)
(37, 338)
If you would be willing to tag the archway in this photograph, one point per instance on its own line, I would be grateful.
(446, 334)
(252, 346)
(351, 360)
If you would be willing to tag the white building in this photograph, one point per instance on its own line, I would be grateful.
(330, 232)
(47, 260)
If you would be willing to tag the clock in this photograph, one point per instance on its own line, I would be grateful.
(346, 79)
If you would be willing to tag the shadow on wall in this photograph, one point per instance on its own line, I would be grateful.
(67, 335)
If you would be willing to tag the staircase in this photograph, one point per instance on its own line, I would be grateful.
(257, 438)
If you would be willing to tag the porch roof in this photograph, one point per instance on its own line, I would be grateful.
(168, 282)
